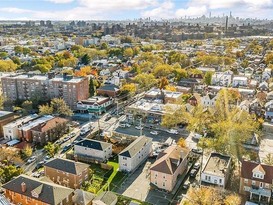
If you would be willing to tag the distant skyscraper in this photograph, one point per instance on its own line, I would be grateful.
(42, 23)
(210, 14)
(226, 23)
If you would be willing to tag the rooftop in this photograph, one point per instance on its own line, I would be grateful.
(4, 113)
(21, 121)
(217, 164)
(94, 144)
(36, 122)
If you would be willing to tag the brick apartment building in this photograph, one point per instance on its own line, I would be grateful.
(67, 172)
(26, 190)
(25, 86)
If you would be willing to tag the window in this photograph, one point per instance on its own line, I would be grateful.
(220, 181)
(261, 184)
(246, 180)
(163, 184)
(253, 182)
(124, 158)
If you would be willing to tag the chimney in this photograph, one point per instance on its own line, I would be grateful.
(23, 187)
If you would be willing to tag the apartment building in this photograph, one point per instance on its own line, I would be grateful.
(66, 172)
(169, 164)
(5, 118)
(11, 130)
(256, 181)
(26, 190)
(24, 87)
(133, 155)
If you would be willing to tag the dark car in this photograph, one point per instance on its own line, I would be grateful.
(67, 147)
(193, 173)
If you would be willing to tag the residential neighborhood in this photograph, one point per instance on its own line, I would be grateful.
(129, 112)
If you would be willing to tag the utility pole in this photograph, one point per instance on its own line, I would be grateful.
(140, 125)
(99, 126)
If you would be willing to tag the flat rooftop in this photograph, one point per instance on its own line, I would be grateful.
(21, 121)
(4, 113)
(36, 122)
(217, 164)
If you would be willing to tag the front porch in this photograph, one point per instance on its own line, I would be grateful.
(260, 195)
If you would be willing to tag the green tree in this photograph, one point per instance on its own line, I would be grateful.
(128, 52)
(27, 106)
(145, 80)
(60, 107)
(174, 115)
(245, 63)
(208, 78)
(129, 88)
(92, 89)
(163, 82)
(7, 66)
(26, 152)
(104, 46)
(3, 55)
(8, 172)
(51, 149)
(162, 70)
(45, 109)
(18, 50)
(26, 50)
(86, 59)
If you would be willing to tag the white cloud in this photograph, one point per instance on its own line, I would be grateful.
(164, 11)
(191, 11)
(228, 4)
(61, 1)
(115, 5)
(14, 10)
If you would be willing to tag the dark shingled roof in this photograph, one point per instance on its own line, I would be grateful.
(94, 144)
(109, 87)
(65, 165)
(82, 197)
(135, 146)
(247, 168)
(49, 193)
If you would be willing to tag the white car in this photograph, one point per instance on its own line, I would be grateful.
(127, 125)
(173, 131)
(154, 132)
(138, 127)
(31, 159)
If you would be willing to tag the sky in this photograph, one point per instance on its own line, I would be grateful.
(131, 9)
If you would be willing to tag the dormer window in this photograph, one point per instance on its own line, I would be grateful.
(258, 175)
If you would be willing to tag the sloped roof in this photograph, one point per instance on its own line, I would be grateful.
(94, 144)
(50, 124)
(106, 197)
(248, 167)
(169, 160)
(135, 146)
(48, 193)
(66, 165)
(82, 197)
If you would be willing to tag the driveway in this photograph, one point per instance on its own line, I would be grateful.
(266, 146)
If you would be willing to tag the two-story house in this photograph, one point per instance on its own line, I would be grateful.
(217, 170)
(240, 81)
(222, 78)
(256, 181)
(26, 190)
(93, 149)
(209, 100)
(169, 164)
(133, 155)
(66, 172)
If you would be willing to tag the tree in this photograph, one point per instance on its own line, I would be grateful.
(208, 78)
(163, 83)
(129, 88)
(27, 106)
(51, 149)
(26, 152)
(104, 46)
(84, 71)
(3, 55)
(8, 172)
(269, 58)
(128, 52)
(180, 73)
(45, 109)
(60, 107)
(182, 142)
(232, 199)
(268, 159)
(92, 89)
(145, 80)
(86, 59)
(173, 115)
(170, 88)
(245, 63)
(7, 66)
(162, 70)
(18, 50)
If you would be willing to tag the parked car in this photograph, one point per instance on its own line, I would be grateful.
(47, 157)
(127, 125)
(197, 151)
(122, 125)
(186, 185)
(154, 132)
(196, 166)
(40, 165)
(108, 117)
(173, 131)
(31, 159)
(193, 173)
(67, 147)
(139, 127)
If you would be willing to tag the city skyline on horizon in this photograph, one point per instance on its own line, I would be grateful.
(132, 9)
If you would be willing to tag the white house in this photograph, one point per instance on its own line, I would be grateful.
(244, 105)
(266, 74)
(11, 130)
(132, 156)
(222, 78)
(121, 73)
(240, 81)
(105, 72)
(208, 100)
(93, 149)
(216, 170)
